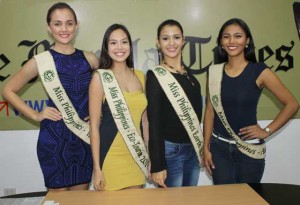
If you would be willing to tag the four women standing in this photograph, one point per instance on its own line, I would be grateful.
(233, 141)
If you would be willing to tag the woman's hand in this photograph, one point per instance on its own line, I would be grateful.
(98, 181)
(50, 113)
(149, 171)
(160, 177)
(253, 132)
(208, 162)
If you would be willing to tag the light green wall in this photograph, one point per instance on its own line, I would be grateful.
(271, 22)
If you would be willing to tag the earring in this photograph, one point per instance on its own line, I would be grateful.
(246, 45)
(160, 56)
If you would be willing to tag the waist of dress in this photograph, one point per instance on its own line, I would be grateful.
(231, 140)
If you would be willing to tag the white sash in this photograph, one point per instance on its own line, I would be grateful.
(215, 79)
(54, 88)
(123, 119)
(182, 106)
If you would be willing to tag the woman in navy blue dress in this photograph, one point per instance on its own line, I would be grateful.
(242, 80)
(65, 159)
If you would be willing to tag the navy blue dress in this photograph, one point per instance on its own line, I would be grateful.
(64, 158)
(240, 97)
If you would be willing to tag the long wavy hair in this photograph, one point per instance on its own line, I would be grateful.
(249, 52)
(105, 59)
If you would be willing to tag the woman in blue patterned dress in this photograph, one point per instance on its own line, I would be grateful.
(64, 158)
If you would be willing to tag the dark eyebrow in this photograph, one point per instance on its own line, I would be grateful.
(121, 39)
(171, 35)
(68, 21)
(233, 34)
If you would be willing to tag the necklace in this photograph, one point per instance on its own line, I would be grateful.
(177, 71)
(181, 73)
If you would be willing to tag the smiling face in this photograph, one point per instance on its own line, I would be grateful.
(234, 40)
(118, 46)
(170, 41)
(62, 26)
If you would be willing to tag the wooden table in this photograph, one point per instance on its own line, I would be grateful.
(239, 194)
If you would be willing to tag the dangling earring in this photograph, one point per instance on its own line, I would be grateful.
(246, 45)
(160, 56)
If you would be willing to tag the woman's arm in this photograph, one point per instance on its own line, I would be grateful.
(145, 122)
(145, 125)
(96, 95)
(269, 80)
(16, 83)
(92, 59)
(208, 125)
(156, 141)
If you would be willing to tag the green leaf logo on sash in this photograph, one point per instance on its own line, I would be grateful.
(107, 77)
(215, 100)
(48, 76)
(160, 71)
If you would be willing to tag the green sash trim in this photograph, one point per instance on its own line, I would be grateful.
(54, 88)
(215, 79)
(123, 119)
(182, 107)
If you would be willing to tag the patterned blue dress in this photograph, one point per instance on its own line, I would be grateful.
(64, 158)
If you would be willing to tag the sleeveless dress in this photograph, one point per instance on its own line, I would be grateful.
(118, 166)
(240, 96)
(64, 158)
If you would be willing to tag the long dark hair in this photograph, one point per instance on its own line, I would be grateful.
(59, 5)
(168, 22)
(249, 52)
(105, 59)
